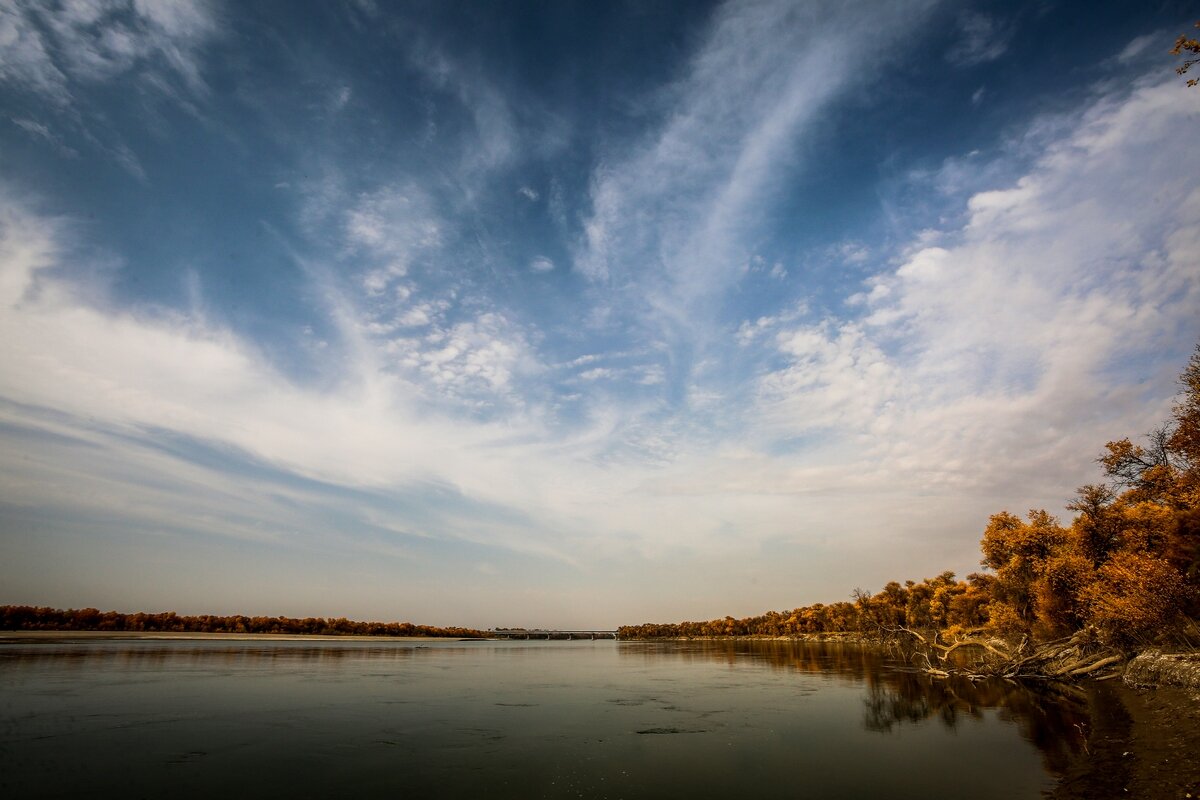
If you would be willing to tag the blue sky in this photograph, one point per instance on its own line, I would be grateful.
(571, 314)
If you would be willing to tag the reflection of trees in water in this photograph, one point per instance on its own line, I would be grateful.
(1054, 719)
(852, 662)
(1054, 722)
(157, 656)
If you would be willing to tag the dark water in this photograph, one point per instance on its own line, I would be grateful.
(514, 720)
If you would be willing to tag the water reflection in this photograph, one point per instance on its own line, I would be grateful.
(159, 656)
(511, 720)
(1053, 717)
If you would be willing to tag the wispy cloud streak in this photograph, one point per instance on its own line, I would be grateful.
(673, 216)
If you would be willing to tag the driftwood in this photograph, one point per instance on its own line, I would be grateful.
(947, 650)
(1064, 659)
(1095, 665)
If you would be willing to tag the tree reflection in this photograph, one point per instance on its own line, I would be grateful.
(156, 656)
(1053, 717)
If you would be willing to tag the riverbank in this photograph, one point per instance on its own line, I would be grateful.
(1142, 743)
(849, 637)
(1143, 737)
(1145, 740)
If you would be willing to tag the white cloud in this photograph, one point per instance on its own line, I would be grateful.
(673, 216)
(750, 330)
(48, 45)
(597, 373)
(651, 375)
(541, 264)
(853, 252)
(415, 317)
(981, 39)
(495, 143)
(70, 367)
(1139, 45)
(991, 359)
(473, 361)
(59, 51)
(115, 378)
(835, 378)
(25, 59)
(587, 358)
(41, 131)
(390, 227)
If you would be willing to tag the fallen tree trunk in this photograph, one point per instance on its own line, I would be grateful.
(947, 650)
(1101, 664)
(1072, 657)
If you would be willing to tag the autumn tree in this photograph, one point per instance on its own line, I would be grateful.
(1097, 526)
(969, 607)
(1135, 597)
(1183, 46)
(1019, 552)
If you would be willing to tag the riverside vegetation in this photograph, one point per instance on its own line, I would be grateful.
(1122, 578)
(31, 618)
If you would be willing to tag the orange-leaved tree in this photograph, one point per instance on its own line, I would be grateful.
(1129, 564)
(1184, 45)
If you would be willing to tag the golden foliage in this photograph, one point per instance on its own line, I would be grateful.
(1004, 618)
(1135, 596)
(1185, 45)
(1057, 593)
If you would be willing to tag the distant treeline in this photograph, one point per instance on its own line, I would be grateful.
(1127, 565)
(30, 618)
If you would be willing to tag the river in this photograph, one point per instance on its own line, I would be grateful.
(514, 719)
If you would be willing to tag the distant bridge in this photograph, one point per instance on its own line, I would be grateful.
(522, 633)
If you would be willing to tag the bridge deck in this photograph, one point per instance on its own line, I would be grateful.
(521, 633)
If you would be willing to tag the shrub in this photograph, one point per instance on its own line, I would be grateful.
(1134, 596)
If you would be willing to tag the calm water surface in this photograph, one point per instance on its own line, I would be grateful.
(630, 720)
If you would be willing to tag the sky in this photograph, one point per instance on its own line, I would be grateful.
(572, 314)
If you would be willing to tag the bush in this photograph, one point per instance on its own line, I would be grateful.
(1134, 596)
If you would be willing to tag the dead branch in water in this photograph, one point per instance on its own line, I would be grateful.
(1075, 656)
(1104, 662)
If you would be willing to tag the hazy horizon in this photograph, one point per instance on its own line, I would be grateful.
(569, 315)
